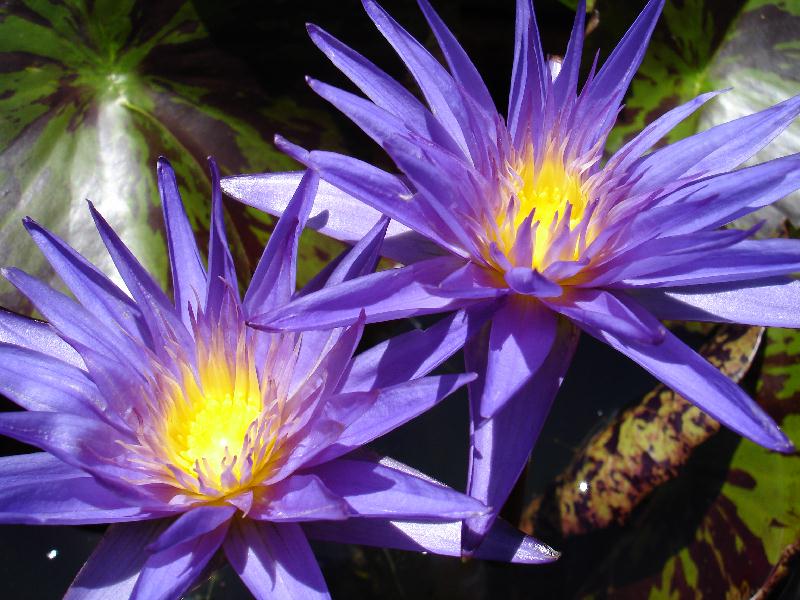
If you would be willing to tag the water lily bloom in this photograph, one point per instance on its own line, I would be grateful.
(523, 215)
(191, 432)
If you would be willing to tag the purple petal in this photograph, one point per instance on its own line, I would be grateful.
(603, 310)
(273, 282)
(500, 446)
(36, 335)
(394, 406)
(38, 382)
(471, 281)
(434, 81)
(274, 561)
(221, 270)
(335, 213)
(613, 79)
(769, 302)
(77, 441)
(416, 353)
(169, 573)
(747, 260)
(191, 525)
(70, 319)
(361, 259)
(715, 201)
(157, 311)
(373, 489)
(384, 91)
(532, 283)
(656, 130)
(39, 489)
(380, 190)
(528, 77)
(566, 84)
(114, 566)
(460, 65)
(386, 295)
(299, 498)
(522, 334)
(188, 274)
(503, 542)
(689, 374)
(91, 287)
(716, 150)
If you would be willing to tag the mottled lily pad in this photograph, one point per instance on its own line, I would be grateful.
(91, 93)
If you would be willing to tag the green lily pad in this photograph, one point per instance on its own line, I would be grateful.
(91, 93)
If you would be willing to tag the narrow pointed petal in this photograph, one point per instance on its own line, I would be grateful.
(528, 76)
(38, 382)
(385, 295)
(460, 64)
(157, 311)
(335, 213)
(75, 440)
(416, 353)
(656, 130)
(36, 335)
(435, 82)
(394, 406)
(299, 498)
(191, 525)
(715, 201)
(168, 574)
(39, 489)
(221, 270)
(274, 561)
(532, 283)
(91, 287)
(747, 260)
(689, 374)
(566, 84)
(113, 568)
(613, 79)
(503, 542)
(380, 190)
(376, 490)
(767, 302)
(384, 91)
(188, 273)
(274, 279)
(515, 352)
(603, 310)
(70, 318)
(500, 446)
(716, 150)
(471, 281)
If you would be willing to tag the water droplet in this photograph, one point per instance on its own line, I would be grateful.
(583, 487)
(52, 554)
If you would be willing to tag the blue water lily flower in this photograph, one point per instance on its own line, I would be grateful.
(191, 432)
(522, 215)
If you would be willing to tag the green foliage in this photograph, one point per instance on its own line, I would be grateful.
(91, 93)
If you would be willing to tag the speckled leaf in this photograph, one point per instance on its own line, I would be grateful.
(748, 512)
(751, 47)
(642, 447)
(92, 92)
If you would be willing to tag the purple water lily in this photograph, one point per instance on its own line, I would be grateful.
(192, 432)
(521, 215)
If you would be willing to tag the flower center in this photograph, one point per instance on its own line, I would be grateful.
(219, 423)
(557, 199)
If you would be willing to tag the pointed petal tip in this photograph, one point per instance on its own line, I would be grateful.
(296, 152)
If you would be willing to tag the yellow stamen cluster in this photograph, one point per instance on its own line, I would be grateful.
(546, 188)
(214, 422)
